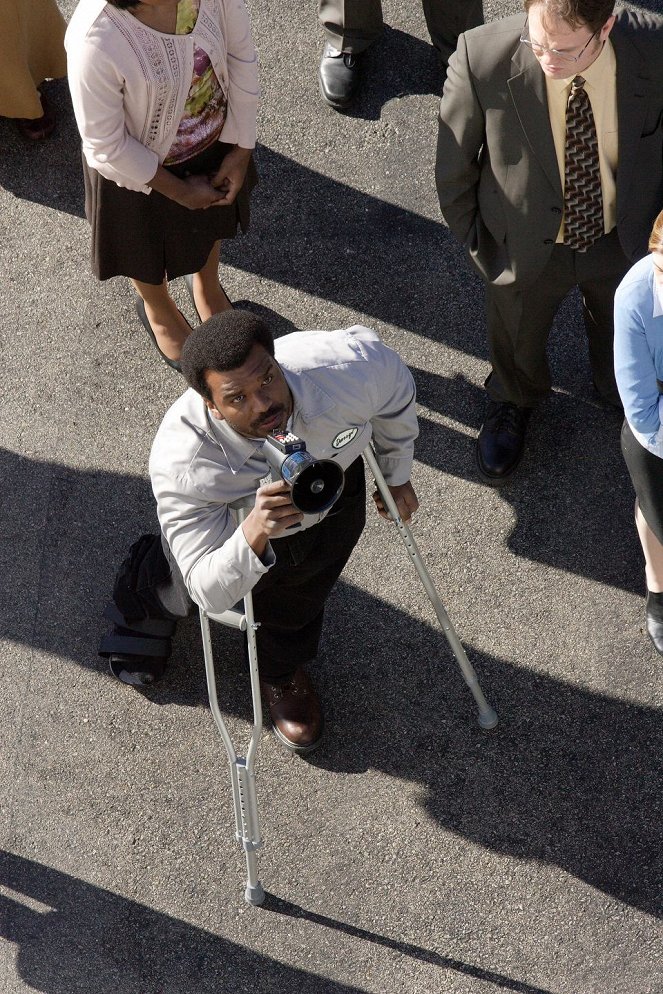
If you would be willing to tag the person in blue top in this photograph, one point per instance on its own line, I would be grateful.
(639, 375)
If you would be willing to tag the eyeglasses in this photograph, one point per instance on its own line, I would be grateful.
(540, 50)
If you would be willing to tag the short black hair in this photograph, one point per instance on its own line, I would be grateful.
(124, 4)
(221, 343)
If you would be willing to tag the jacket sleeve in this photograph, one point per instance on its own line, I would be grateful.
(461, 135)
(635, 371)
(243, 89)
(218, 565)
(394, 415)
(97, 97)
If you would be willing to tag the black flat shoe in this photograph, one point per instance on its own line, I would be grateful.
(140, 311)
(501, 441)
(188, 279)
(338, 77)
(653, 624)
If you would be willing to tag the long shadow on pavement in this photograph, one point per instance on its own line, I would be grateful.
(85, 935)
(569, 777)
(572, 496)
(397, 65)
(49, 172)
(361, 252)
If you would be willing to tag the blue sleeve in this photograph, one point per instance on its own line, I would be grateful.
(634, 366)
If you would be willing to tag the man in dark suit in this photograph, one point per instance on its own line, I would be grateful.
(351, 26)
(550, 172)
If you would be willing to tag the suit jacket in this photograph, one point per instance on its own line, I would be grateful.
(496, 172)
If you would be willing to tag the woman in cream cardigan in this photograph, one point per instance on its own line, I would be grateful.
(165, 95)
(639, 373)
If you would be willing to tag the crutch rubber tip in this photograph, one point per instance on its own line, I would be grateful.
(254, 895)
(488, 719)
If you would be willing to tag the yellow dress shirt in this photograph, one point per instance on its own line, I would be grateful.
(601, 87)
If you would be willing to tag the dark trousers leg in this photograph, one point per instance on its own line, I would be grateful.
(289, 600)
(598, 278)
(446, 19)
(519, 321)
(351, 25)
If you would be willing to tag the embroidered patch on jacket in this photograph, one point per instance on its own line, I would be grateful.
(344, 437)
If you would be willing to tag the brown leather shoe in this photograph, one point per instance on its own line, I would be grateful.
(295, 711)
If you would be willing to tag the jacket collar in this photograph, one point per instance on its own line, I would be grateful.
(527, 87)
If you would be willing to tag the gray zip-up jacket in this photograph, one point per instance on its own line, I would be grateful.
(348, 388)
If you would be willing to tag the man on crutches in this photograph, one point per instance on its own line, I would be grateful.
(336, 391)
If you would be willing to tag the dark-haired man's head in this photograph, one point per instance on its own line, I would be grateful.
(230, 361)
(125, 4)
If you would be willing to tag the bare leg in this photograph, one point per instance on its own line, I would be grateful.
(169, 326)
(653, 551)
(209, 295)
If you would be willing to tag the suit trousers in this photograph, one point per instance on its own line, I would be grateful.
(519, 321)
(353, 25)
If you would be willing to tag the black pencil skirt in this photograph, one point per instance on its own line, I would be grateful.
(149, 236)
(646, 472)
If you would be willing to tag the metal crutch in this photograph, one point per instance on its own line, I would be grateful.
(242, 769)
(487, 716)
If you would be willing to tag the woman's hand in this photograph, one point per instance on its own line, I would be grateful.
(198, 194)
(231, 173)
(194, 192)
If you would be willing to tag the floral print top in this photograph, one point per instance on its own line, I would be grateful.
(206, 105)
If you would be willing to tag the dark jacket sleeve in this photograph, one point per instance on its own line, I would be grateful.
(461, 135)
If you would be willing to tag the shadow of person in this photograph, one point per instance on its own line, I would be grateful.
(358, 251)
(86, 935)
(572, 496)
(45, 172)
(397, 65)
(568, 777)
(87, 938)
(277, 323)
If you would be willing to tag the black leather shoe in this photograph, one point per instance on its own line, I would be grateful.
(338, 77)
(654, 625)
(501, 441)
(294, 708)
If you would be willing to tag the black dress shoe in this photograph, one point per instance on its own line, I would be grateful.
(654, 625)
(338, 77)
(501, 441)
(294, 708)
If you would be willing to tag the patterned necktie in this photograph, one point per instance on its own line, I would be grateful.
(583, 203)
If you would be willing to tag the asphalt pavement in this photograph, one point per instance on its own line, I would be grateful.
(415, 852)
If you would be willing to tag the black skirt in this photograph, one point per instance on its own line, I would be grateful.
(646, 472)
(149, 236)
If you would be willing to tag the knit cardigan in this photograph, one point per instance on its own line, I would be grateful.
(129, 84)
